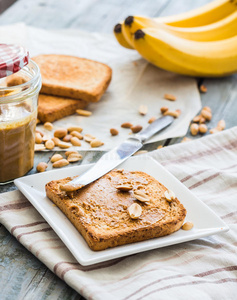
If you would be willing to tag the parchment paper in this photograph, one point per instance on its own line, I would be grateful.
(134, 82)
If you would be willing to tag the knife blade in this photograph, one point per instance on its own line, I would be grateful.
(116, 156)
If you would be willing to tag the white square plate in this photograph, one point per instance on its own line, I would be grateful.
(205, 221)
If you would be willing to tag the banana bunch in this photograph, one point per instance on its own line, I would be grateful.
(201, 42)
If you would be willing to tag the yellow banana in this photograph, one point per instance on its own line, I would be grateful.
(120, 37)
(172, 53)
(212, 12)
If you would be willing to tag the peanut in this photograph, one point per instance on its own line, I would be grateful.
(49, 144)
(114, 131)
(221, 125)
(88, 137)
(151, 120)
(46, 137)
(174, 114)
(124, 187)
(75, 141)
(77, 134)
(194, 128)
(64, 145)
(159, 147)
(169, 97)
(187, 226)
(56, 157)
(67, 153)
(136, 129)
(206, 114)
(74, 157)
(48, 126)
(60, 163)
(197, 119)
(207, 108)
(135, 211)
(38, 138)
(126, 125)
(40, 132)
(56, 141)
(143, 110)
(60, 133)
(140, 152)
(67, 138)
(41, 167)
(169, 195)
(96, 143)
(185, 139)
(82, 112)
(74, 128)
(39, 147)
(202, 128)
(202, 120)
(203, 88)
(163, 109)
(141, 196)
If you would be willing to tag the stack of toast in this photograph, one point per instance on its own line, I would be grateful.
(69, 83)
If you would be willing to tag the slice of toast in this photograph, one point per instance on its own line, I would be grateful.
(52, 108)
(73, 77)
(99, 211)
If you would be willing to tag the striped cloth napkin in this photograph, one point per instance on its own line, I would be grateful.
(202, 269)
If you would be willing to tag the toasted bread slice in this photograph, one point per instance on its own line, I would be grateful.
(100, 212)
(73, 77)
(52, 108)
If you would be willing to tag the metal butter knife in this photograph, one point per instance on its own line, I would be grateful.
(117, 155)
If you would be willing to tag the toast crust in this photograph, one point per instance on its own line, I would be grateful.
(99, 210)
(73, 77)
(52, 108)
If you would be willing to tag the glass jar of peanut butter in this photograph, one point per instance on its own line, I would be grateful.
(18, 115)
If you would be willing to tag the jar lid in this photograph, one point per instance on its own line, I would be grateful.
(12, 59)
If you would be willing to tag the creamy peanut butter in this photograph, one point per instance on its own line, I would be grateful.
(16, 140)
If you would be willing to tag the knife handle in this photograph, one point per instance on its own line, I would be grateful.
(153, 128)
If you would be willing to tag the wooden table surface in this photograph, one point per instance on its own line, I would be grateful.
(21, 274)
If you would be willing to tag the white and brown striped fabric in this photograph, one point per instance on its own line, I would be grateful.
(202, 269)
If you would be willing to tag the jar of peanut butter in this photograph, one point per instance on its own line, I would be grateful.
(20, 82)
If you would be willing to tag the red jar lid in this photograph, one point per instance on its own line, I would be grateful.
(12, 59)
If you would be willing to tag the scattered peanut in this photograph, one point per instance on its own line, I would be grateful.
(203, 88)
(213, 130)
(163, 109)
(41, 167)
(206, 114)
(151, 120)
(187, 226)
(143, 110)
(194, 129)
(202, 128)
(159, 147)
(60, 163)
(221, 125)
(56, 141)
(67, 138)
(169, 195)
(48, 126)
(60, 133)
(82, 112)
(135, 211)
(174, 114)
(96, 143)
(207, 108)
(56, 157)
(114, 131)
(169, 97)
(88, 137)
(67, 153)
(74, 128)
(64, 145)
(77, 134)
(74, 157)
(39, 147)
(75, 141)
(124, 187)
(38, 138)
(197, 119)
(140, 152)
(46, 137)
(126, 125)
(141, 196)
(202, 120)
(136, 128)
(49, 144)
